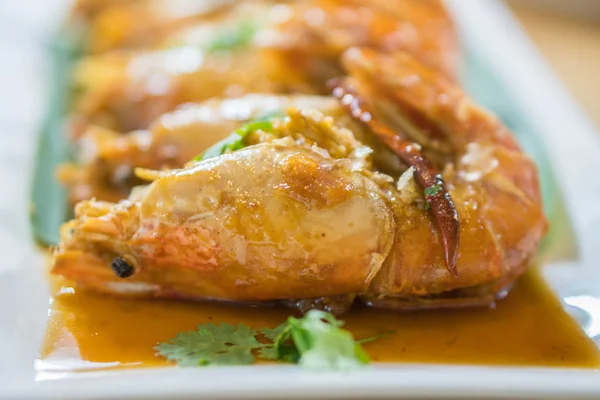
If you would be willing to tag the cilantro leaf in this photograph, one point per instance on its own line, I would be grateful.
(361, 355)
(211, 345)
(272, 334)
(433, 190)
(315, 341)
(241, 35)
(286, 350)
(323, 344)
(235, 141)
(268, 352)
(262, 125)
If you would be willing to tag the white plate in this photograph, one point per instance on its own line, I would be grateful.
(568, 136)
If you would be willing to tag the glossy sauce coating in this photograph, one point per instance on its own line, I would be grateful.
(529, 328)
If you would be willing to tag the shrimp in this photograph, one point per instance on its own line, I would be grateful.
(493, 184)
(88, 9)
(124, 91)
(107, 159)
(309, 43)
(266, 229)
(302, 215)
(241, 47)
(118, 24)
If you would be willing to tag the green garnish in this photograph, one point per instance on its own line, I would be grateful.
(212, 345)
(235, 141)
(320, 343)
(265, 126)
(376, 337)
(269, 115)
(240, 36)
(48, 208)
(315, 341)
(273, 334)
(433, 190)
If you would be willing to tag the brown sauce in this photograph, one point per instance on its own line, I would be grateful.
(529, 328)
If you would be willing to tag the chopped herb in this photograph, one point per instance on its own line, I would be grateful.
(315, 341)
(272, 334)
(265, 126)
(240, 36)
(235, 141)
(433, 190)
(269, 115)
(270, 351)
(212, 345)
(285, 349)
(323, 344)
(376, 337)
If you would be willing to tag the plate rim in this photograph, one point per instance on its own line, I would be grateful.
(389, 381)
(492, 21)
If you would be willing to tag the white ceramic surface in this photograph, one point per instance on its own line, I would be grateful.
(571, 141)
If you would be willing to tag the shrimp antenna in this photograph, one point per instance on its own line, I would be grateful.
(426, 174)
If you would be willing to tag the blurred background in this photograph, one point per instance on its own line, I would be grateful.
(567, 32)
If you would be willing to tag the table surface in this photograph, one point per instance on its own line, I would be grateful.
(572, 48)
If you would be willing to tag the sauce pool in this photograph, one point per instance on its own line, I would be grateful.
(88, 331)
